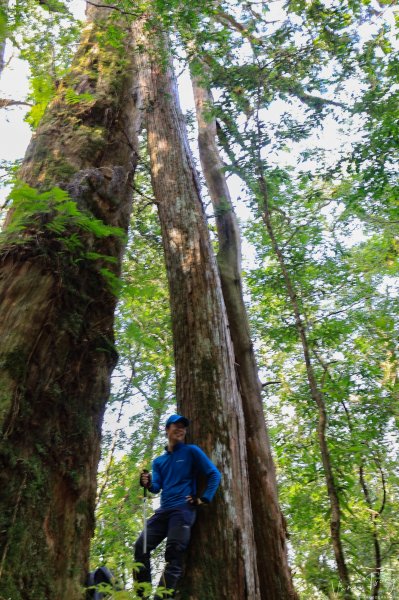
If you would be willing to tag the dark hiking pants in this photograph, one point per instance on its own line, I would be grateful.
(174, 524)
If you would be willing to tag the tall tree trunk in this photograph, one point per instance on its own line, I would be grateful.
(222, 561)
(56, 321)
(316, 393)
(274, 574)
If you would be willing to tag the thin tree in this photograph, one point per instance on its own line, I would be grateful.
(258, 187)
(315, 391)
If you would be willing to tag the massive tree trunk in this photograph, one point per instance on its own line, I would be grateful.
(274, 573)
(222, 563)
(56, 319)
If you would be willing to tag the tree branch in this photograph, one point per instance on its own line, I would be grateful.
(315, 101)
(123, 12)
(7, 102)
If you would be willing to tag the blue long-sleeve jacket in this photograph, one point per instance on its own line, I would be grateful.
(175, 473)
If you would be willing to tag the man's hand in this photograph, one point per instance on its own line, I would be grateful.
(196, 501)
(145, 479)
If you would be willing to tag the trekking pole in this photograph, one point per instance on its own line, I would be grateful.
(145, 517)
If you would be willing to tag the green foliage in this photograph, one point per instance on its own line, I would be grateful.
(43, 90)
(349, 320)
(335, 220)
(140, 590)
(8, 170)
(54, 216)
(374, 192)
(113, 36)
(45, 35)
(3, 22)
(71, 97)
(55, 211)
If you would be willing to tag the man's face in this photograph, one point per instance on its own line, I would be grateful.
(176, 432)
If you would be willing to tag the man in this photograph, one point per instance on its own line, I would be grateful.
(175, 473)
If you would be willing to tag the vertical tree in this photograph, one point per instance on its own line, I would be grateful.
(316, 393)
(275, 581)
(60, 252)
(205, 377)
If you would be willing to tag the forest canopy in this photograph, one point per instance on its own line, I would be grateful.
(300, 100)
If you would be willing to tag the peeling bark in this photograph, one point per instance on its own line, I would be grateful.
(56, 325)
(270, 535)
(222, 560)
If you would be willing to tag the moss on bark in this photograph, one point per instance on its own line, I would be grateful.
(56, 322)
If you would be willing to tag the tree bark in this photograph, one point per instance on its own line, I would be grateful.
(222, 560)
(270, 535)
(56, 323)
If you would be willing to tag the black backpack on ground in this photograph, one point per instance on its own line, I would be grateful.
(100, 575)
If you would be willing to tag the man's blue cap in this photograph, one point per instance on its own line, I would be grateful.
(175, 419)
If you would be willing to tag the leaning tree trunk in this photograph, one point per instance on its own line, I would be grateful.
(56, 318)
(222, 562)
(270, 536)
